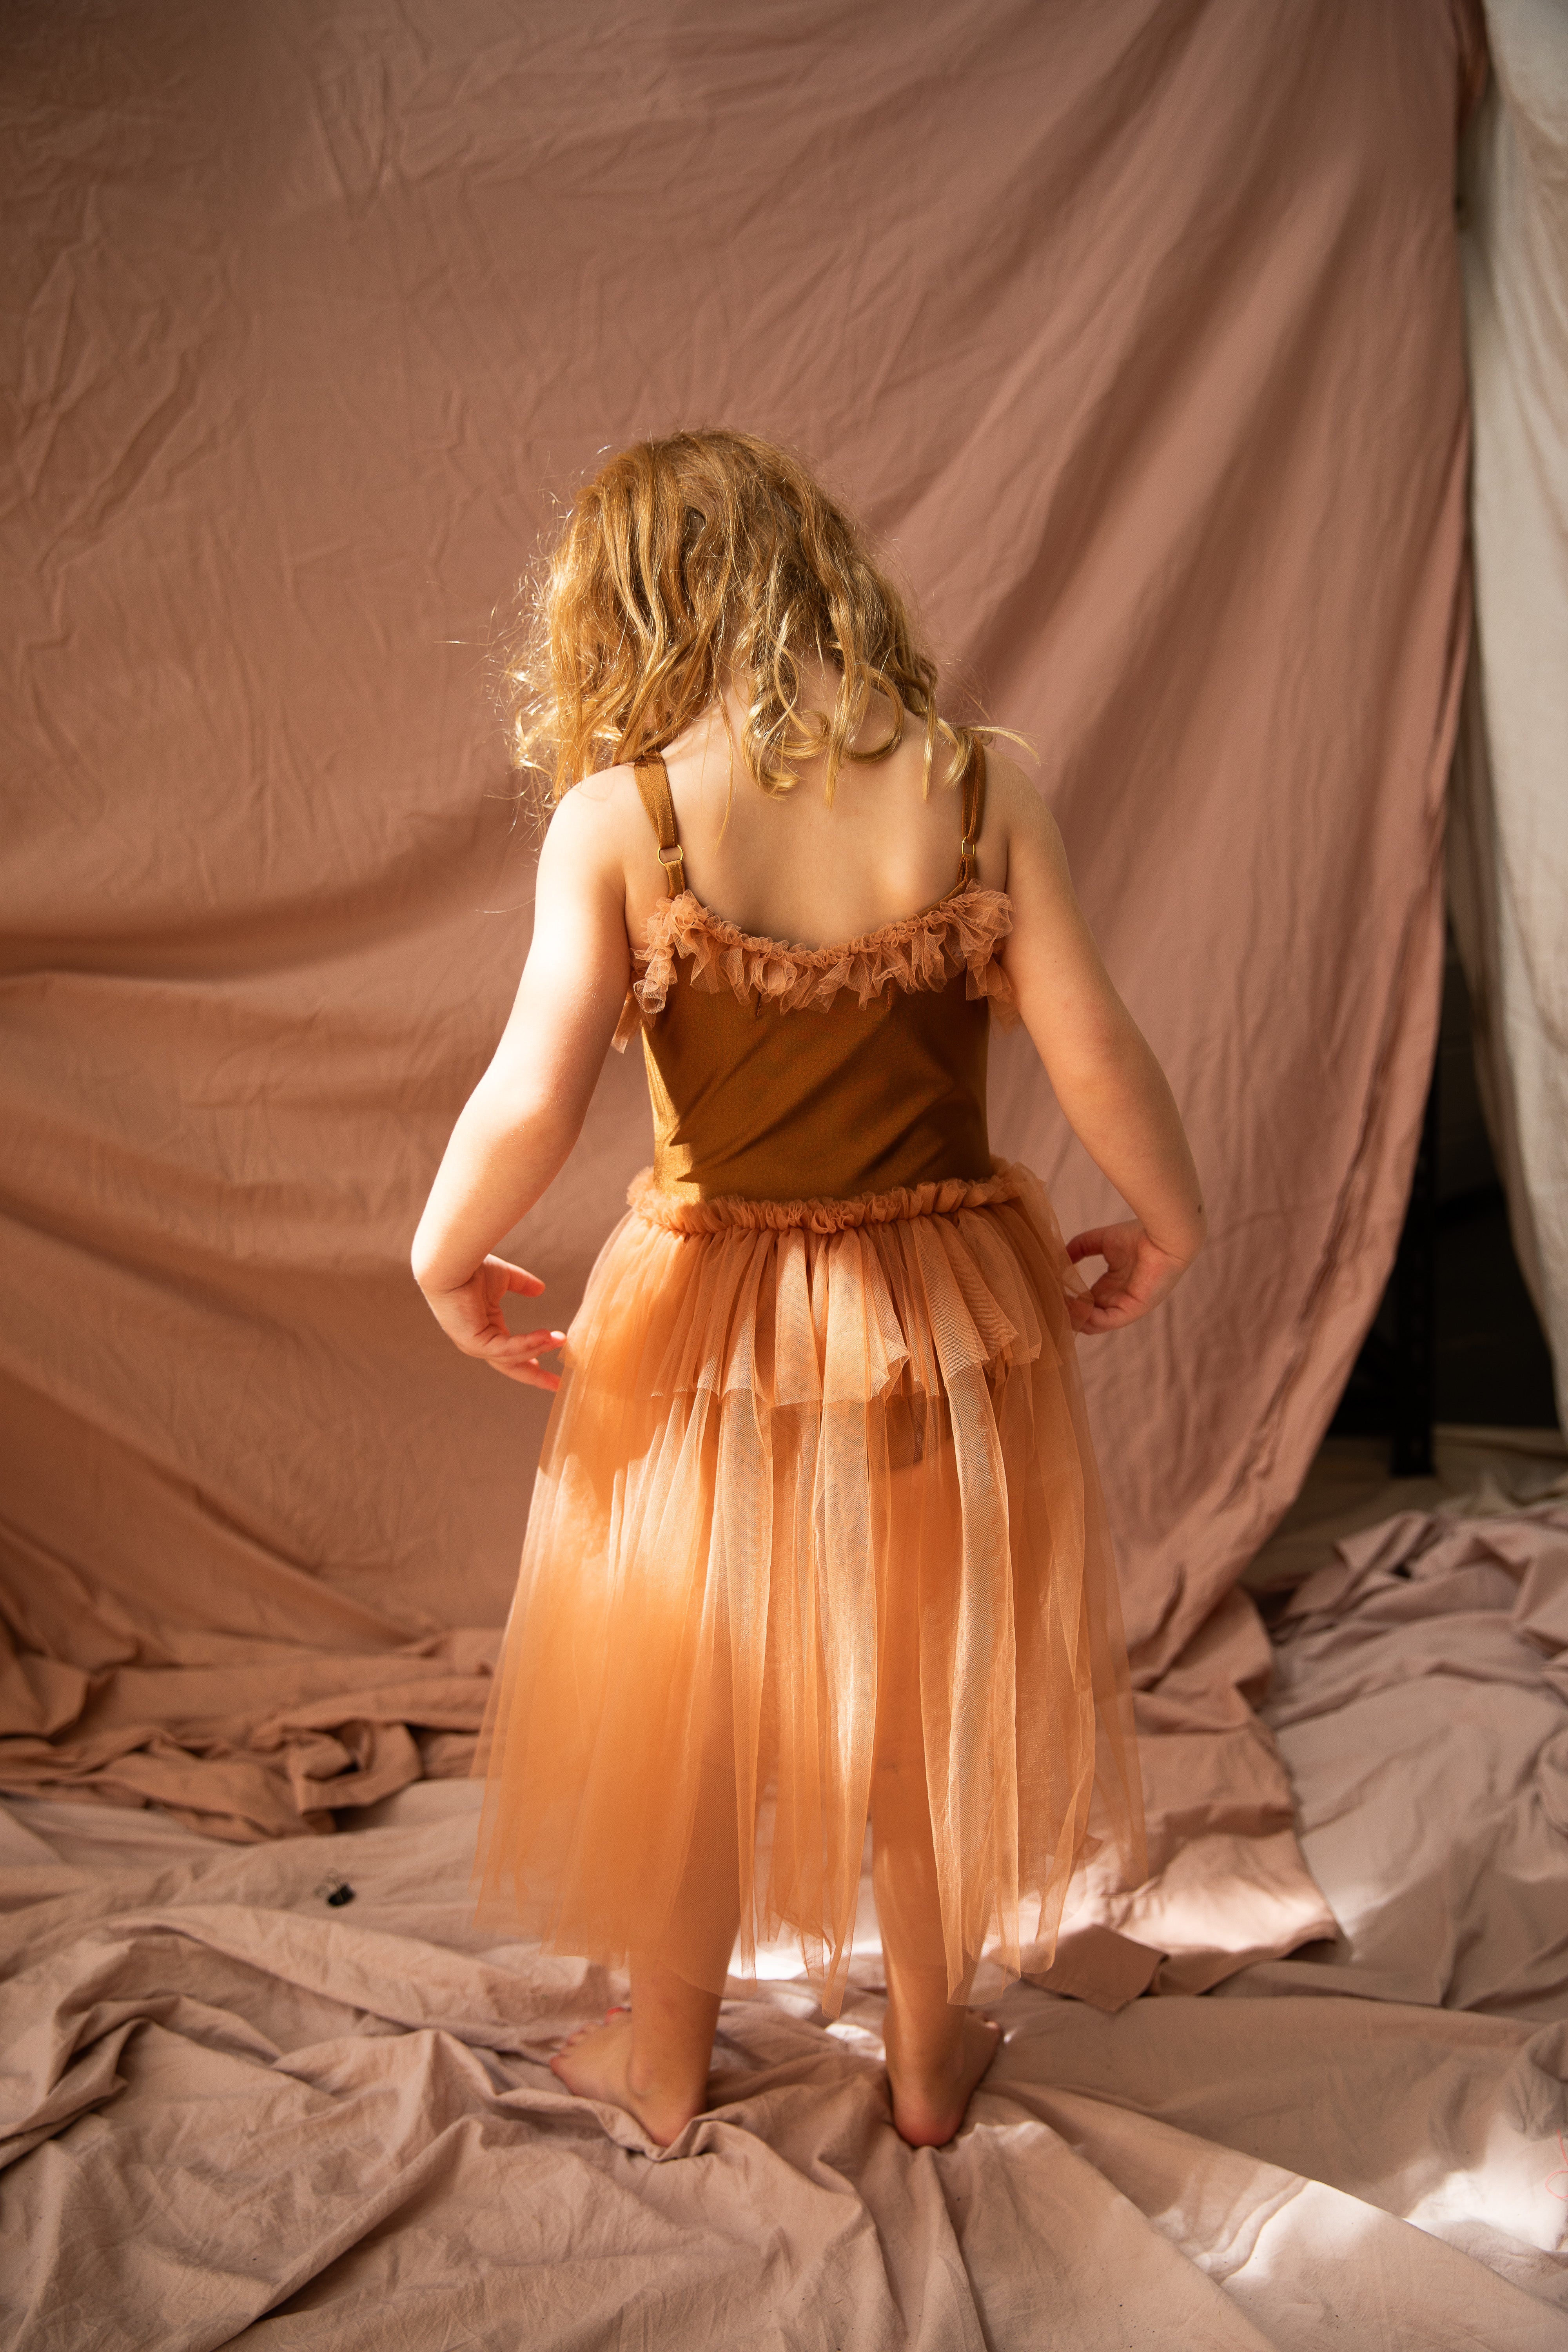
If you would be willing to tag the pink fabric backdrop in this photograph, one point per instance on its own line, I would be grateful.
(1134, 325)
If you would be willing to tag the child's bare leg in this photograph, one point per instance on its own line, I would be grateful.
(937, 2052)
(652, 2060)
(937, 2048)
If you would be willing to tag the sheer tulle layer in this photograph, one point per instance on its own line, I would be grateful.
(816, 1537)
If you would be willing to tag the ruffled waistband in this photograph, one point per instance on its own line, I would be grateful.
(726, 1213)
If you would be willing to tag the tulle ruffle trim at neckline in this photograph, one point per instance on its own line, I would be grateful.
(961, 931)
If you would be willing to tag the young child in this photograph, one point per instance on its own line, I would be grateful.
(817, 1537)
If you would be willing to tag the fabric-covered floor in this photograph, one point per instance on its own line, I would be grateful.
(239, 2112)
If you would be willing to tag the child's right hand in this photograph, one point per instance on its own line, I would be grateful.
(1138, 1276)
(471, 1317)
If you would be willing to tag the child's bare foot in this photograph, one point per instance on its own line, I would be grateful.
(623, 2009)
(597, 2062)
(930, 2104)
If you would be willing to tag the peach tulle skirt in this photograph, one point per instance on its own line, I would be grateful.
(816, 1540)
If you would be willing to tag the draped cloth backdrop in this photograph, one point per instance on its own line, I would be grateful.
(1509, 865)
(1131, 326)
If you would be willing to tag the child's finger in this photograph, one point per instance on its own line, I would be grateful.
(1114, 1312)
(499, 1343)
(517, 1354)
(530, 1374)
(521, 1281)
(518, 1278)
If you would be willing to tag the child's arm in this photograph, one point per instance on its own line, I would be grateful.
(1111, 1090)
(522, 1118)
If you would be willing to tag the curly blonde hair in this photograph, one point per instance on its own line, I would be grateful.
(692, 562)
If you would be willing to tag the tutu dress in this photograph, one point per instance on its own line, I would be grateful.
(817, 1536)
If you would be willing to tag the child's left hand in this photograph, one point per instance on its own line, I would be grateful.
(1138, 1276)
(471, 1317)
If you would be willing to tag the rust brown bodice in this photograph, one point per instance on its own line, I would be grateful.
(785, 1073)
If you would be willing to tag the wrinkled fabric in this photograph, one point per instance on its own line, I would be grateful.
(1510, 865)
(266, 1741)
(233, 2113)
(817, 1539)
(315, 312)
(236, 2110)
(1420, 1701)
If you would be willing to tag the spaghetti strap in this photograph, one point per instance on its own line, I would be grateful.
(653, 784)
(973, 818)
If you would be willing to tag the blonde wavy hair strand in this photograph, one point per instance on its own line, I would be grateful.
(692, 562)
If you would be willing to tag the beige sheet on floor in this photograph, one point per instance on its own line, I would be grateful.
(1420, 1699)
(236, 2115)
(234, 2112)
(319, 307)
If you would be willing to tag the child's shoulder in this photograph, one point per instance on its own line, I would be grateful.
(594, 831)
(1012, 795)
(606, 794)
(1019, 822)
(601, 810)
